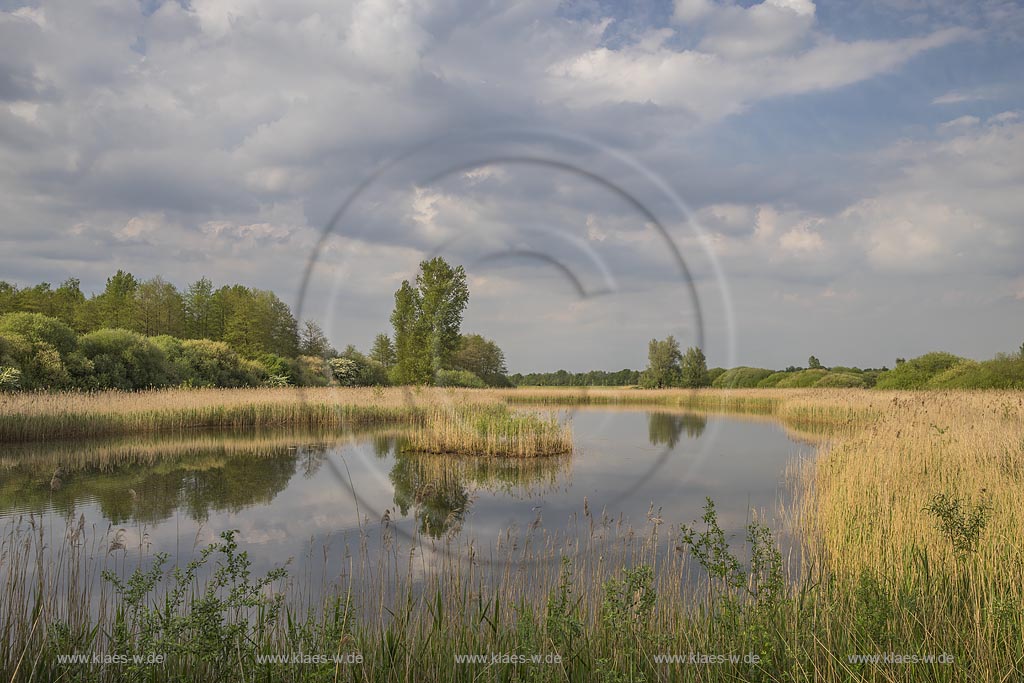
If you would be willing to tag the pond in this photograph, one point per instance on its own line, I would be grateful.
(309, 498)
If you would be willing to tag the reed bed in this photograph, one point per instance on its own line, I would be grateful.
(441, 420)
(490, 430)
(910, 517)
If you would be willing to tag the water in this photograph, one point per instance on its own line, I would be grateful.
(307, 497)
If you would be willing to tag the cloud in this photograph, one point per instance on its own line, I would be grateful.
(744, 55)
(218, 137)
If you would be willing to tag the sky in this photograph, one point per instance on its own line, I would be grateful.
(769, 180)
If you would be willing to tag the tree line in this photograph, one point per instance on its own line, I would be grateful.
(148, 333)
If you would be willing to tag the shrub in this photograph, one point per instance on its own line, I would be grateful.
(915, 373)
(841, 380)
(311, 371)
(715, 373)
(37, 328)
(215, 364)
(353, 369)
(772, 380)
(740, 378)
(178, 369)
(123, 359)
(345, 371)
(458, 378)
(10, 378)
(1002, 372)
(802, 379)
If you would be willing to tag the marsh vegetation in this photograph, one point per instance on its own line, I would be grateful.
(901, 535)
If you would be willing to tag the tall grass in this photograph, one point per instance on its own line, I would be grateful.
(442, 420)
(883, 569)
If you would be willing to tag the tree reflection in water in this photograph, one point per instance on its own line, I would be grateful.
(665, 429)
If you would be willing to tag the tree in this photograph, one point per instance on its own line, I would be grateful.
(383, 351)
(443, 298)
(813, 363)
(663, 364)
(483, 358)
(694, 369)
(159, 309)
(313, 341)
(117, 300)
(199, 309)
(412, 356)
(68, 300)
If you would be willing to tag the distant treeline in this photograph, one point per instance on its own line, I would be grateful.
(563, 378)
(671, 368)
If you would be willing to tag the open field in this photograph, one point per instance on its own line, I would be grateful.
(911, 518)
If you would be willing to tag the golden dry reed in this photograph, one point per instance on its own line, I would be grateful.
(442, 420)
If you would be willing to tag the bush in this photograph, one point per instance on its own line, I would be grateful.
(458, 378)
(841, 380)
(802, 379)
(42, 349)
(123, 359)
(178, 369)
(215, 364)
(740, 378)
(345, 371)
(353, 369)
(1002, 372)
(37, 328)
(10, 378)
(715, 373)
(916, 372)
(311, 371)
(772, 380)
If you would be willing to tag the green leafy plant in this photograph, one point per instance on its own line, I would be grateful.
(960, 520)
(217, 626)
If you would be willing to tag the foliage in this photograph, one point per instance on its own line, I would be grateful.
(313, 341)
(252, 321)
(802, 379)
(427, 319)
(960, 520)
(443, 298)
(773, 380)
(481, 357)
(841, 380)
(215, 364)
(740, 378)
(813, 363)
(211, 626)
(345, 371)
(123, 359)
(458, 378)
(364, 372)
(663, 364)
(916, 372)
(383, 351)
(564, 378)
(37, 329)
(1002, 372)
(412, 358)
(10, 378)
(693, 372)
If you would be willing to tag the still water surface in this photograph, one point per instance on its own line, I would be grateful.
(300, 495)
